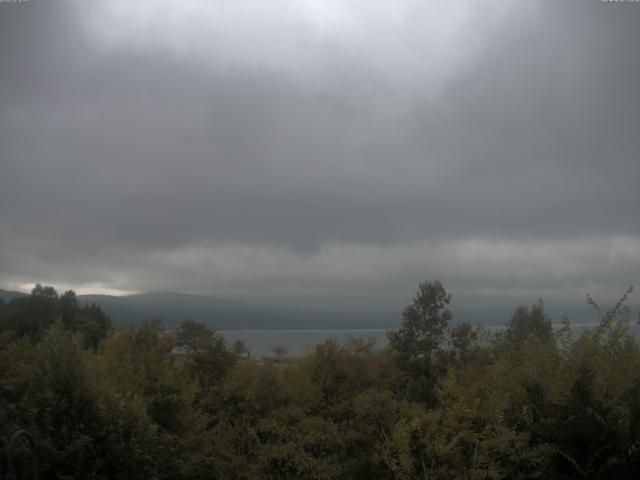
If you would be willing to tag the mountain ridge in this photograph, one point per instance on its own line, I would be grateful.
(171, 308)
(224, 314)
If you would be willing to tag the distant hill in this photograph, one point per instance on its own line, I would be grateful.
(8, 295)
(222, 314)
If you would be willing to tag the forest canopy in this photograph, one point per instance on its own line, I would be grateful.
(442, 400)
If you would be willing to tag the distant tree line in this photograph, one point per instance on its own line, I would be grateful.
(441, 401)
(31, 316)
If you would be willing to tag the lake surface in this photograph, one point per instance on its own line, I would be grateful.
(296, 342)
(261, 342)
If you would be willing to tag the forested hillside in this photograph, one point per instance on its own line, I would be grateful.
(441, 401)
(223, 314)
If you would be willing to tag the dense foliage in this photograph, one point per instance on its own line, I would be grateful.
(440, 402)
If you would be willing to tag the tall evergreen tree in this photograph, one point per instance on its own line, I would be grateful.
(418, 342)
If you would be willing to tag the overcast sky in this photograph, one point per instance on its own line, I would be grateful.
(325, 153)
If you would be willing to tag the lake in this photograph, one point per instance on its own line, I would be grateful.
(261, 342)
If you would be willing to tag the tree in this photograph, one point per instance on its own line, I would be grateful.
(210, 360)
(31, 316)
(194, 336)
(68, 308)
(45, 293)
(280, 351)
(418, 341)
(35, 313)
(93, 323)
(239, 348)
(526, 323)
(462, 339)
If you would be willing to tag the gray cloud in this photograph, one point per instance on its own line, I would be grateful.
(340, 154)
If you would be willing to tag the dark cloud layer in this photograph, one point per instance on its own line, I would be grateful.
(328, 158)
